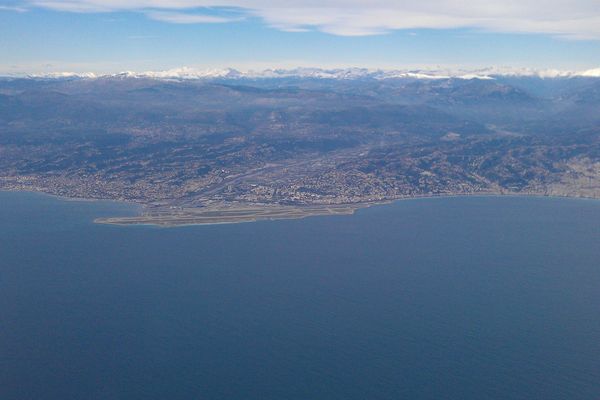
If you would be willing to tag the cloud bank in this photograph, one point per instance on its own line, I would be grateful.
(572, 19)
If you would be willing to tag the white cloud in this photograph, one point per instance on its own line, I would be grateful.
(186, 18)
(13, 8)
(575, 19)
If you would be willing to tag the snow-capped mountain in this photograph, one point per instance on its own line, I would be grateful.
(186, 73)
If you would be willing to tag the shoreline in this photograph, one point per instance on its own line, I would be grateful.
(255, 213)
(73, 199)
(243, 213)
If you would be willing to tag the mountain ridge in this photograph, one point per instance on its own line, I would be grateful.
(189, 73)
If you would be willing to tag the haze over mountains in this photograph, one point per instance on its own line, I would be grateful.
(304, 137)
(336, 73)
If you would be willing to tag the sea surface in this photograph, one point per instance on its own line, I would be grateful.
(447, 298)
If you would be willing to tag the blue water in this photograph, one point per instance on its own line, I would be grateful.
(456, 298)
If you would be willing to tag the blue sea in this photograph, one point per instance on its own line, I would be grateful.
(446, 298)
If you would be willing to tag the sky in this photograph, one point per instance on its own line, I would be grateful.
(109, 36)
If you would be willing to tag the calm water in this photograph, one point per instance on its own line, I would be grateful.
(460, 298)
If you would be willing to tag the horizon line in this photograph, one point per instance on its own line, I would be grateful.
(438, 72)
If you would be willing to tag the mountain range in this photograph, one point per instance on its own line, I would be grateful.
(340, 73)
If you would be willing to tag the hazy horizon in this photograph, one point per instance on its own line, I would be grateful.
(432, 71)
(42, 36)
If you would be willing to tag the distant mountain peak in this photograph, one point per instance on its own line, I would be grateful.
(188, 73)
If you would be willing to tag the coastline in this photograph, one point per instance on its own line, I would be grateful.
(67, 198)
(243, 213)
(254, 213)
